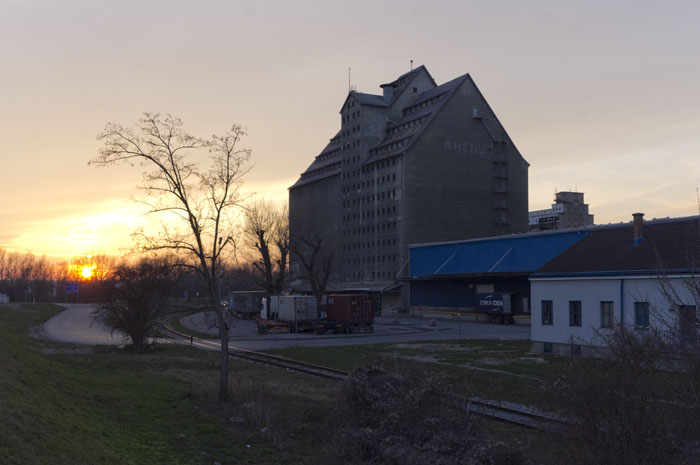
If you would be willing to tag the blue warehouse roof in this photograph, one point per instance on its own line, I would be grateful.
(517, 254)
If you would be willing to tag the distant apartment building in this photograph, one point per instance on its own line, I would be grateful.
(568, 211)
(420, 163)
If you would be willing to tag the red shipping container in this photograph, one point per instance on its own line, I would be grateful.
(351, 309)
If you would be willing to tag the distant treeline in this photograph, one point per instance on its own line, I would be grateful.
(25, 277)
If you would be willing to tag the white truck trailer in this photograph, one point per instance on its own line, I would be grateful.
(298, 312)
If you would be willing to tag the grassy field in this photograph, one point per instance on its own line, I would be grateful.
(62, 406)
(496, 369)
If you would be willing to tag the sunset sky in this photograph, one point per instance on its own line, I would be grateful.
(599, 96)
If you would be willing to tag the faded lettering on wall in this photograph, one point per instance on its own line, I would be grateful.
(464, 147)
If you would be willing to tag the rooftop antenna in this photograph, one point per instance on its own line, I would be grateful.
(411, 65)
(697, 193)
(349, 86)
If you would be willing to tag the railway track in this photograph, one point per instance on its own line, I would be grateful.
(517, 414)
(250, 355)
(499, 410)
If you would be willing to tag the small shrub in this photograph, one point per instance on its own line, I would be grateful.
(412, 417)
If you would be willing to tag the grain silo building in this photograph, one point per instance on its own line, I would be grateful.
(419, 163)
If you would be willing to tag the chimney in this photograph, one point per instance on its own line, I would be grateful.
(638, 227)
(388, 92)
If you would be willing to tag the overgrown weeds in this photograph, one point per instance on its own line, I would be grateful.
(412, 417)
(637, 404)
(288, 420)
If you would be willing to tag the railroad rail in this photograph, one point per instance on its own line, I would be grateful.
(253, 356)
(517, 414)
(499, 410)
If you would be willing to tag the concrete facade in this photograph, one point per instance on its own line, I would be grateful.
(420, 163)
(623, 293)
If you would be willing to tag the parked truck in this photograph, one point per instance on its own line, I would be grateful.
(296, 313)
(496, 306)
(246, 305)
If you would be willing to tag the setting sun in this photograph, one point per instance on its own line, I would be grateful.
(87, 272)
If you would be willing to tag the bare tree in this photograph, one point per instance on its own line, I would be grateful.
(316, 259)
(202, 197)
(139, 299)
(266, 230)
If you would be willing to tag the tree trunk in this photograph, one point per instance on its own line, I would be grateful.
(223, 375)
(319, 300)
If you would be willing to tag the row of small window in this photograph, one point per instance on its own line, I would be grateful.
(389, 147)
(352, 130)
(369, 213)
(375, 275)
(353, 115)
(379, 165)
(500, 171)
(325, 156)
(383, 274)
(352, 173)
(371, 259)
(371, 198)
(423, 104)
(351, 145)
(370, 183)
(390, 226)
(352, 159)
(406, 125)
(370, 244)
(325, 169)
(607, 314)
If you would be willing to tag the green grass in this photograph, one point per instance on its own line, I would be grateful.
(455, 358)
(111, 406)
(115, 407)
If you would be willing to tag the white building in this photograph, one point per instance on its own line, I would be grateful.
(619, 274)
(568, 211)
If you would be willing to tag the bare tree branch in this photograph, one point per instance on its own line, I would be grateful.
(203, 200)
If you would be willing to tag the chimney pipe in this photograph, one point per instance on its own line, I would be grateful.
(638, 226)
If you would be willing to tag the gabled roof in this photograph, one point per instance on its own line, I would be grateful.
(669, 245)
(369, 99)
(415, 119)
(500, 126)
(400, 84)
(515, 254)
(327, 163)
